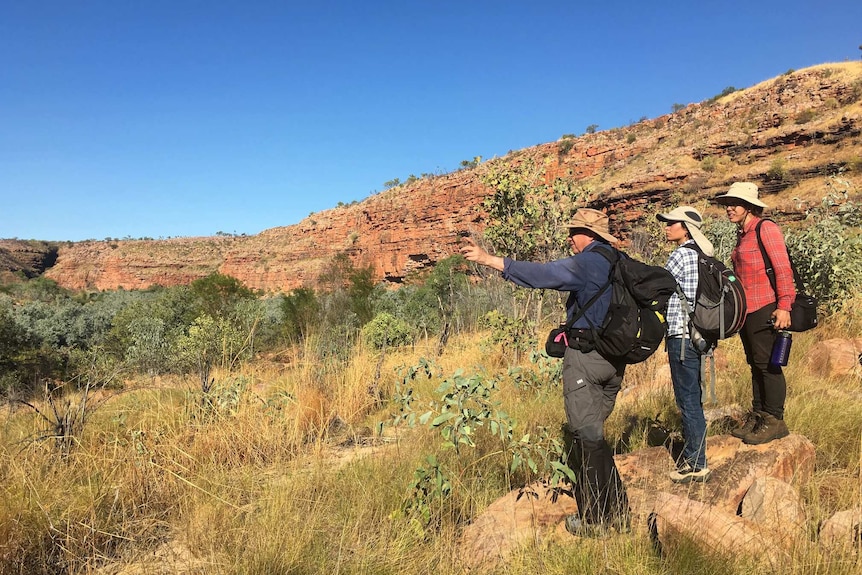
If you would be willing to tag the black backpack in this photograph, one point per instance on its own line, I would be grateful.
(635, 324)
(719, 304)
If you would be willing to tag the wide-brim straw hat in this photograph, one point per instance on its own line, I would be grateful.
(691, 218)
(592, 220)
(741, 191)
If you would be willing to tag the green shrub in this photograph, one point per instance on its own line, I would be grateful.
(828, 253)
(805, 116)
(385, 331)
(725, 92)
(722, 233)
(777, 172)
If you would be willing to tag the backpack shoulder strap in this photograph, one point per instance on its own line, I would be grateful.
(609, 252)
(694, 247)
(767, 261)
(612, 255)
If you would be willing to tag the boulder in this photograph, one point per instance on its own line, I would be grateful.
(676, 519)
(735, 467)
(777, 507)
(512, 521)
(842, 532)
(835, 357)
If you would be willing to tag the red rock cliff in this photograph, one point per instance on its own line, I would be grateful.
(787, 134)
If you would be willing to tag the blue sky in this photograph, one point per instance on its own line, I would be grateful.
(152, 118)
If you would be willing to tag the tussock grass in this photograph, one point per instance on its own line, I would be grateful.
(293, 478)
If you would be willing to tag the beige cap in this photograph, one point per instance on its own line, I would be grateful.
(744, 191)
(693, 221)
(592, 220)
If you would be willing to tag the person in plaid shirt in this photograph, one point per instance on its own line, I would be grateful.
(768, 310)
(682, 227)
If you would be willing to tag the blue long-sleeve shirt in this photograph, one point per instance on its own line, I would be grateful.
(583, 275)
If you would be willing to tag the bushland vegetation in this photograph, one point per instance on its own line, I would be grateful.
(350, 428)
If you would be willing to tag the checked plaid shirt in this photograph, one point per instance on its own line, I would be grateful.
(682, 264)
(751, 270)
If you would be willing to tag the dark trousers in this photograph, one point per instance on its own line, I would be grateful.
(590, 387)
(768, 386)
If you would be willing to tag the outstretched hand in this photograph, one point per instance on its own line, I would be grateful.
(474, 253)
(471, 251)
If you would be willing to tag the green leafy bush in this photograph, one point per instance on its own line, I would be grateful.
(300, 313)
(727, 91)
(386, 331)
(512, 335)
(828, 253)
(805, 116)
(777, 172)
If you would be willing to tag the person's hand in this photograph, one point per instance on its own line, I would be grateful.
(474, 253)
(781, 319)
(471, 251)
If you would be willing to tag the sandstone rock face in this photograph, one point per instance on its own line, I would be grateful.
(694, 154)
(27, 257)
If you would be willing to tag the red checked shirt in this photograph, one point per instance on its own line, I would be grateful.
(750, 268)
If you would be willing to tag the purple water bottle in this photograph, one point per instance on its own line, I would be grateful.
(781, 348)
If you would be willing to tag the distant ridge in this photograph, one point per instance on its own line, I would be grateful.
(787, 134)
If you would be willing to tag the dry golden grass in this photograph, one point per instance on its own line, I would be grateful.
(273, 485)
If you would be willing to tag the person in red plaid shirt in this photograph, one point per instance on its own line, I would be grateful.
(768, 310)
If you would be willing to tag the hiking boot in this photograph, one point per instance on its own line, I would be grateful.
(688, 474)
(767, 429)
(580, 528)
(751, 419)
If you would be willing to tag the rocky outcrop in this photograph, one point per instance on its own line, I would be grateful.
(743, 502)
(787, 134)
(28, 258)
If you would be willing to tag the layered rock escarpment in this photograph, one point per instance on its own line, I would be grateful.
(788, 134)
(27, 258)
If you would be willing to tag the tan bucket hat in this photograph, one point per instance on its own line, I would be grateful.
(693, 221)
(592, 220)
(745, 191)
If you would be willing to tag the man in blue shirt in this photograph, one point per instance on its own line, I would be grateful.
(590, 382)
